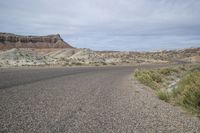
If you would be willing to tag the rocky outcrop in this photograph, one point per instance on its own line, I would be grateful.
(8, 40)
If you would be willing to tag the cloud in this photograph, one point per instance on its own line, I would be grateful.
(103, 24)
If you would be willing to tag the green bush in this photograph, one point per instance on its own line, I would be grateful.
(163, 95)
(104, 63)
(149, 78)
(76, 63)
(155, 76)
(188, 92)
(195, 69)
(168, 71)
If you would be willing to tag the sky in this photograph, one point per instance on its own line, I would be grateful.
(124, 25)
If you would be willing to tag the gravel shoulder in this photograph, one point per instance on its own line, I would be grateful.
(97, 100)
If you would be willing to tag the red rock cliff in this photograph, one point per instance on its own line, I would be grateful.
(8, 40)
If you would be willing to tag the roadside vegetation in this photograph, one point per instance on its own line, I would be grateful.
(177, 85)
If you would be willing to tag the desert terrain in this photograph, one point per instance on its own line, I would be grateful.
(115, 91)
(54, 51)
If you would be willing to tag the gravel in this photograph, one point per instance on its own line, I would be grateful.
(85, 100)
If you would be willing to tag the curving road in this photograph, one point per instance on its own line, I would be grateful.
(93, 99)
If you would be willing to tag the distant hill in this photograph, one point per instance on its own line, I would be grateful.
(9, 40)
(17, 50)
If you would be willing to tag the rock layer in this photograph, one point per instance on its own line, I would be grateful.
(8, 40)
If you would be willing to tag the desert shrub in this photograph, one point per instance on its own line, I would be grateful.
(188, 92)
(149, 78)
(195, 69)
(163, 95)
(104, 63)
(182, 68)
(76, 63)
(155, 76)
(79, 64)
(168, 71)
(46, 63)
(113, 63)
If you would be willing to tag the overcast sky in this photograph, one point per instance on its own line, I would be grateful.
(107, 24)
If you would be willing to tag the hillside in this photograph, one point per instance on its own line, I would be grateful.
(16, 50)
(71, 56)
(24, 57)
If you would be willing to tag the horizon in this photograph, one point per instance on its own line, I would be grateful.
(106, 50)
(98, 25)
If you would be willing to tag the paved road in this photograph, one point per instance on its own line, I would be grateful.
(86, 100)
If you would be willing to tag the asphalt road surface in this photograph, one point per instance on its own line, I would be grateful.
(96, 100)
